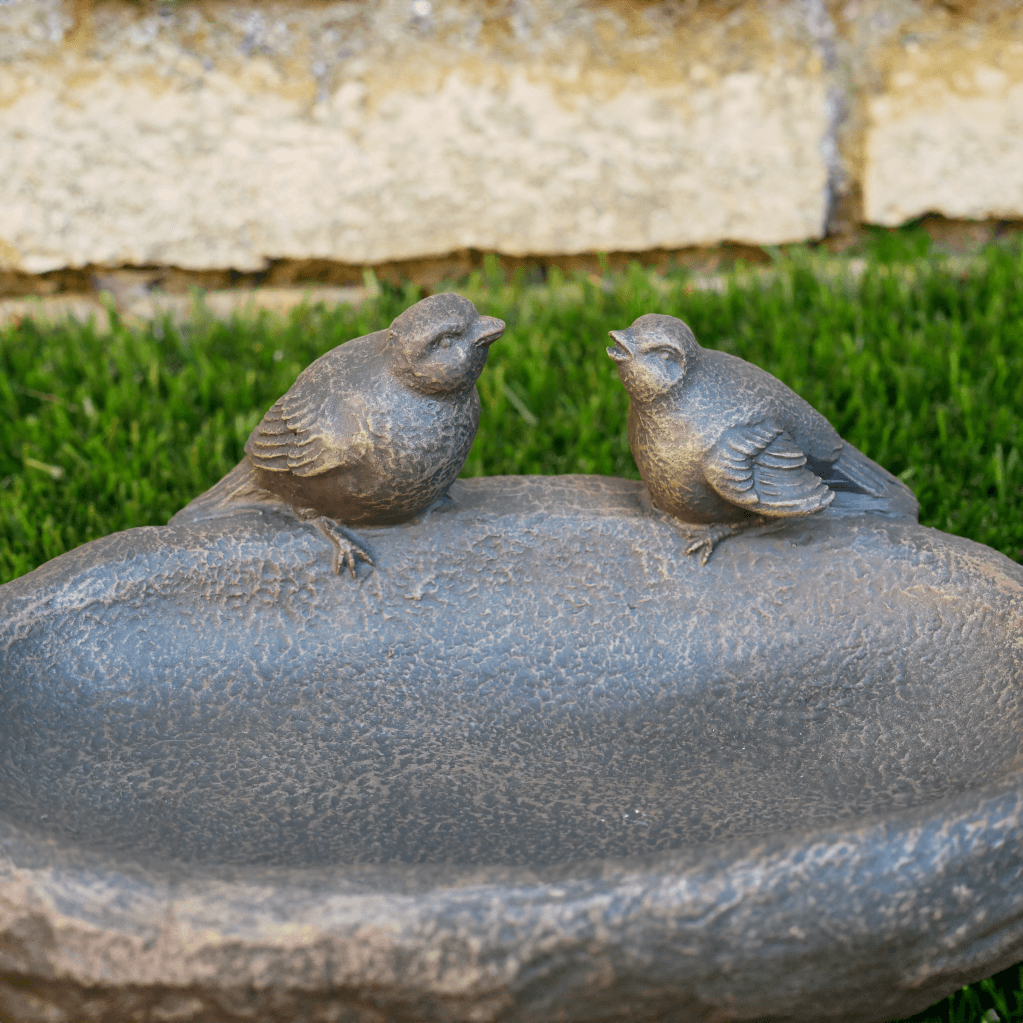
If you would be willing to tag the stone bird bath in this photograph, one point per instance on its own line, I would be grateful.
(537, 765)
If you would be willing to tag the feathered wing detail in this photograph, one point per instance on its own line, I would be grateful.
(298, 435)
(269, 443)
(760, 468)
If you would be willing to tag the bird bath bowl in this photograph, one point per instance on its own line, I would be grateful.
(537, 765)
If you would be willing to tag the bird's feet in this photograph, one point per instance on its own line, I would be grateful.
(443, 503)
(349, 550)
(706, 538)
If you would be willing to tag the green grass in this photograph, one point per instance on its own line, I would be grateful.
(920, 367)
(1000, 996)
(917, 362)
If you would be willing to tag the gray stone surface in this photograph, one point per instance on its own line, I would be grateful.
(536, 765)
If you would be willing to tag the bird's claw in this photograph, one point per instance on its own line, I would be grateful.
(707, 544)
(348, 549)
(349, 555)
(443, 503)
(707, 538)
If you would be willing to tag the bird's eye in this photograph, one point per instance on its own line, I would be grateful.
(444, 341)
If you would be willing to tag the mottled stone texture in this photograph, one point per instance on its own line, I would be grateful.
(536, 765)
(942, 125)
(219, 135)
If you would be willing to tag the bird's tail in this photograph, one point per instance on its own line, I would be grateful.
(239, 490)
(862, 478)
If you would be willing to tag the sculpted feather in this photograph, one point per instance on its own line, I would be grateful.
(376, 430)
(721, 444)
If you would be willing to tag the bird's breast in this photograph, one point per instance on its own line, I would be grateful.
(412, 456)
(670, 453)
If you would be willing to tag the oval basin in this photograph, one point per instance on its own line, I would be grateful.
(538, 764)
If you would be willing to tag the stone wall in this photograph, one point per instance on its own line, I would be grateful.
(213, 134)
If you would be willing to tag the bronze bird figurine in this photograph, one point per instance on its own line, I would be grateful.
(721, 444)
(375, 431)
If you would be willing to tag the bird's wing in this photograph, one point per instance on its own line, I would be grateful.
(760, 468)
(305, 433)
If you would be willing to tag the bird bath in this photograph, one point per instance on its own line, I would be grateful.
(536, 765)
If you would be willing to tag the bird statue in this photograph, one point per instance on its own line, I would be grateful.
(375, 431)
(724, 446)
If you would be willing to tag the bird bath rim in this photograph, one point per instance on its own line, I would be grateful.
(475, 941)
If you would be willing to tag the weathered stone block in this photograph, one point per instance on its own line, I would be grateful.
(367, 131)
(945, 134)
(220, 135)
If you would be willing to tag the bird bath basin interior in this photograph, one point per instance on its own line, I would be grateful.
(511, 769)
(535, 685)
(518, 713)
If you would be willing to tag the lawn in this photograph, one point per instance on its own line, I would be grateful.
(916, 358)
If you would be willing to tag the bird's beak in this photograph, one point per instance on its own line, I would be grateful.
(488, 331)
(623, 342)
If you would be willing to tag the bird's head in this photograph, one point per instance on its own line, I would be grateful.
(653, 355)
(441, 343)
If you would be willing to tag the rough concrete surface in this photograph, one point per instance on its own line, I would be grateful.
(208, 136)
(205, 135)
(536, 765)
(944, 131)
(221, 135)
